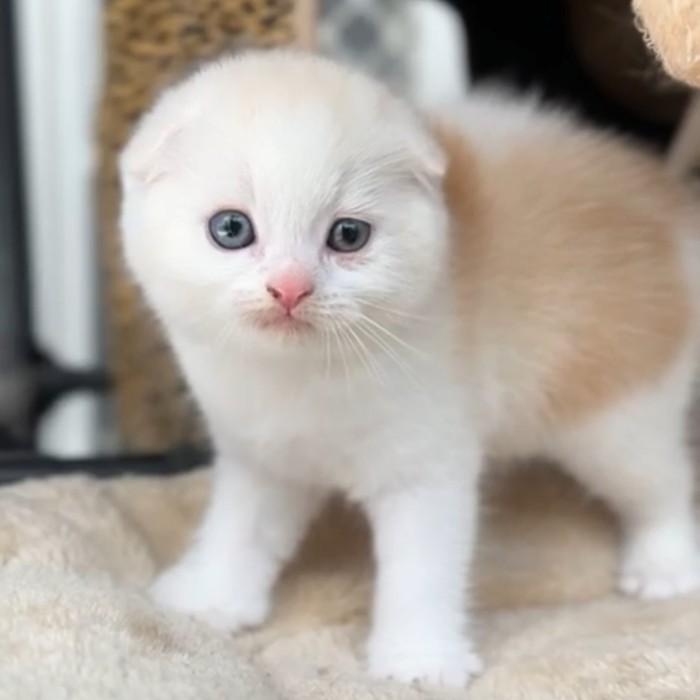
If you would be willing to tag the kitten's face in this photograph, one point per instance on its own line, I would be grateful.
(278, 200)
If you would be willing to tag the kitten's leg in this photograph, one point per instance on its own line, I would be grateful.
(636, 458)
(252, 526)
(424, 536)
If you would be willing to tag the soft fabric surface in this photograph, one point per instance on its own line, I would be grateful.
(76, 623)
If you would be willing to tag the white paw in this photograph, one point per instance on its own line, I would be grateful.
(657, 574)
(209, 597)
(658, 583)
(453, 665)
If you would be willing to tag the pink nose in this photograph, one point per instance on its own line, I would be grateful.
(290, 288)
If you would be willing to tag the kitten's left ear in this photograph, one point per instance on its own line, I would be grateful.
(432, 158)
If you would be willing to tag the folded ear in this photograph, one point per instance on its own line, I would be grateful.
(435, 160)
(460, 184)
(431, 155)
(151, 151)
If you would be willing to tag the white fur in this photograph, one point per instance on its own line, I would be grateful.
(635, 456)
(373, 404)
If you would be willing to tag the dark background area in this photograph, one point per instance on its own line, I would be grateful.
(539, 45)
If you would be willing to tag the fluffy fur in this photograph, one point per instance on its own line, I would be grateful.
(528, 289)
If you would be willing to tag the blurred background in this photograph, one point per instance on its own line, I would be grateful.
(83, 369)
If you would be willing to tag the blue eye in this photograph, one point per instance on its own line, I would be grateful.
(348, 235)
(231, 230)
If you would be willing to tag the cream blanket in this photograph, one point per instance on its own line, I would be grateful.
(76, 554)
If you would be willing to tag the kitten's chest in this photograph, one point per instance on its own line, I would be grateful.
(306, 429)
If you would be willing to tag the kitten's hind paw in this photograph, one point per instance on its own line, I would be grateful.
(657, 584)
(654, 573)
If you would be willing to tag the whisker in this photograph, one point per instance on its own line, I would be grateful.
(326, 350)
(337, 337)
(352, 345)
(224, 334)
(365, 356)
(399, 315)
(393, 336)
(383, 345)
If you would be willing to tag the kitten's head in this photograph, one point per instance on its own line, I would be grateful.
(279, 199)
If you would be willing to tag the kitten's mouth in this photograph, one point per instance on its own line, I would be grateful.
(281, 322)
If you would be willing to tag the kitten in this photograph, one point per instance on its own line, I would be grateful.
(368, 302)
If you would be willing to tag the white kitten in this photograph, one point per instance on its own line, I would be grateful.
(365, 303)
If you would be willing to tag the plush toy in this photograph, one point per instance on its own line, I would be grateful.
(672, 29)
(611, 50)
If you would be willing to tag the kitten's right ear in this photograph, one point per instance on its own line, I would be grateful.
(150, 152)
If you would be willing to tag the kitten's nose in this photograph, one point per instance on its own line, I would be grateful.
(290, 288)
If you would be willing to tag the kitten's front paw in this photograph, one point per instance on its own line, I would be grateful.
(451, 665)
(654, 573)
(209, 597)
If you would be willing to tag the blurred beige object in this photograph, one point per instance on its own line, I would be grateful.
(672, 28)
(75, 621)
(613, 53)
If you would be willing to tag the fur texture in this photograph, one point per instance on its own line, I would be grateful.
(526, 290)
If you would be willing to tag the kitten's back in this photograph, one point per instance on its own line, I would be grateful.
(575, 259)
